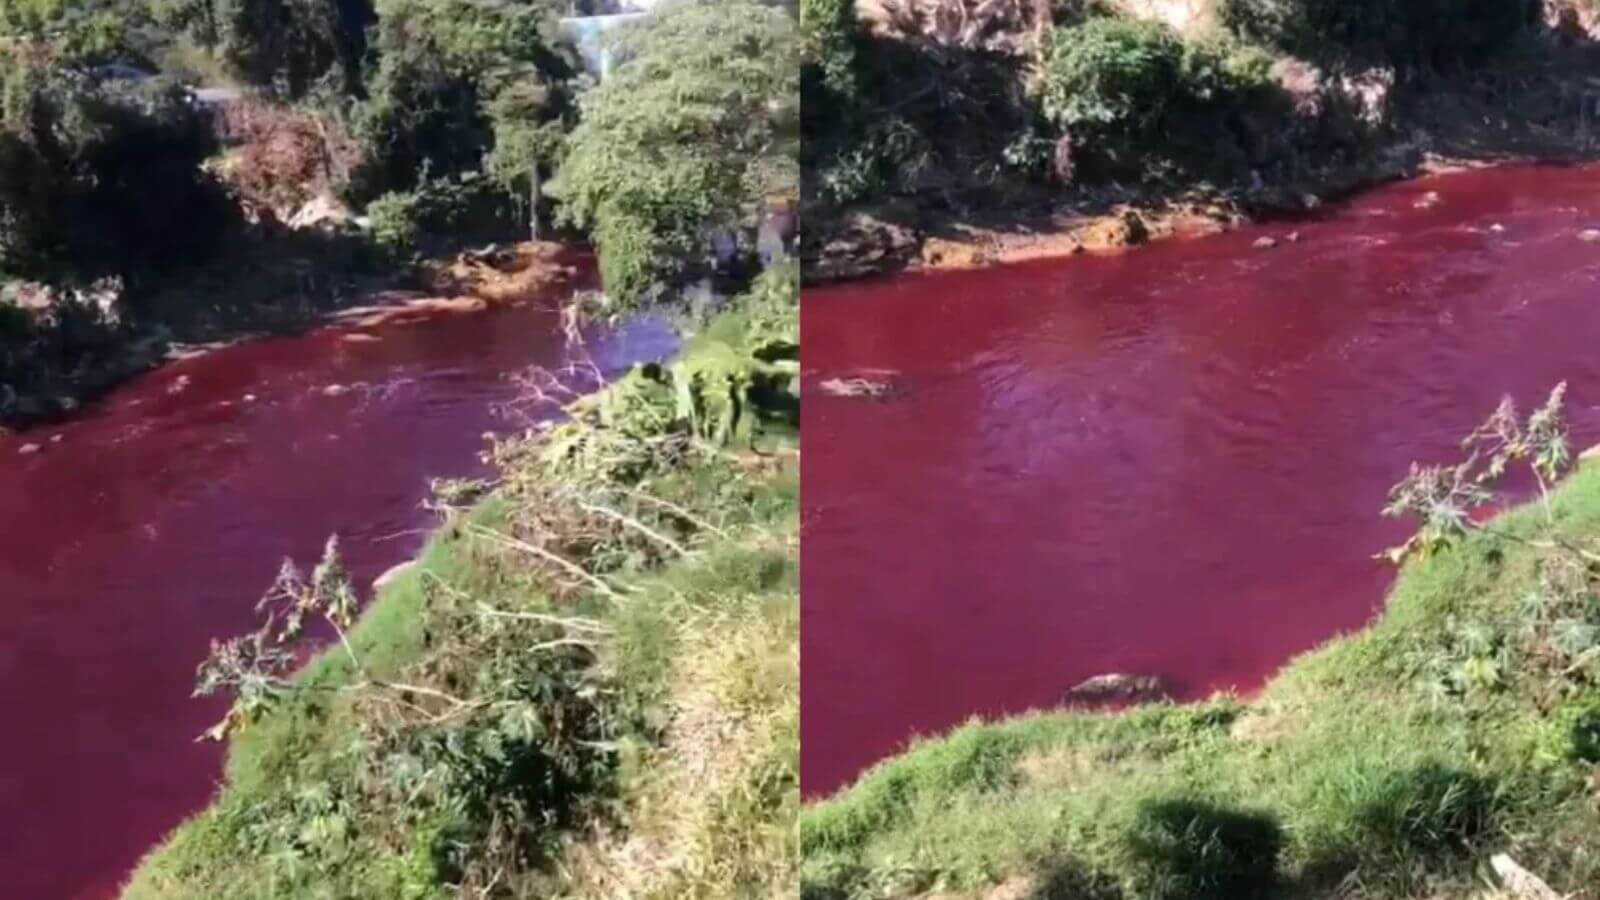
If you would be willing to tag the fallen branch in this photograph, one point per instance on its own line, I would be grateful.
(565, 564)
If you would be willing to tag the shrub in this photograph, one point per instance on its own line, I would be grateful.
(401, 222)
(100, 179)
(1418, 33)
(1131, 92)
(688, 136)
(1191, 850)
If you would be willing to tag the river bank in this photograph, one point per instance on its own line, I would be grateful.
(289, 286)
(1270, 384)
(599, 658)
(1353, 774)
(1535, 107)
(157, 516)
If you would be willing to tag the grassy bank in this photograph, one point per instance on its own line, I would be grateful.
(1387, 764)
(586, 686)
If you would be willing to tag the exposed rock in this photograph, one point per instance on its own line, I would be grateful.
(946, 254)
(1119, 686)
(1589, 235)
(1497, 228)
(28, 449)
(1428, 200)
(56, 438)
(322, 213)
(1114, 232)
(858, 245)
(1264, 243)
(248, 398)
(178, 385)
(335, 390)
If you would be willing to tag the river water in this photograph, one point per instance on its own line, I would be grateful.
(1164, 462)
(155, 521)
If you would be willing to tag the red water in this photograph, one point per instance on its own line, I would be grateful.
(157, 520)
(1166, 462)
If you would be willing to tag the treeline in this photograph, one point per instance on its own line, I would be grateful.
(444, 114)
(1084, 93)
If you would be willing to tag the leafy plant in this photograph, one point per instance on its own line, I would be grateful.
(1126, 90)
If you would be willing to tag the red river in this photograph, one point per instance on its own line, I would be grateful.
(161, 513)
(1164, 462)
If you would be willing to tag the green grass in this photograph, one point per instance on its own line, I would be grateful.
(1347, 777)
(656, 759)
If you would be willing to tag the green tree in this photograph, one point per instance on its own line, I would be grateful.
(692, 132)
(460, 86)
(290, 45)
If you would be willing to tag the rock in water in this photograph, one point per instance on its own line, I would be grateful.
(1428, 200)
(28, 449)
(1589, 235)
(1119, 686)
(1264, 243)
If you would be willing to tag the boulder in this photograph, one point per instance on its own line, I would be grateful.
(322, 213)
(1118, 686)
(1116, 231)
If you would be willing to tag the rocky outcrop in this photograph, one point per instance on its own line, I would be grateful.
(857, 245)
(1118, 687)
(1125, 229)
(323, 213)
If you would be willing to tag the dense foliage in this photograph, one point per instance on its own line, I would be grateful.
(1130, 92)
(691, 134)
(1419, 33)
(459, 86)
(99, 178)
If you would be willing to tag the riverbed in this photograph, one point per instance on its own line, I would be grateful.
(1165, 462)
(148, 525)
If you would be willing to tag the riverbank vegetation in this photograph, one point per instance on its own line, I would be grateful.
(185, 172)
(1392, 763)
(937, 122)
(586, 686)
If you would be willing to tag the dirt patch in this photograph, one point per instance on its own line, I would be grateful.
(499, 273)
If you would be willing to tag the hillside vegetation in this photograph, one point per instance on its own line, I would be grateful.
(926, 117)
(586, 686)
(1387, 764)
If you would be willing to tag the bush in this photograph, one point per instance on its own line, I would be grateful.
(457, 209)
(98, 180)
(692, 134)
(1132, 93)
(1417, 33)
(1190, 850)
